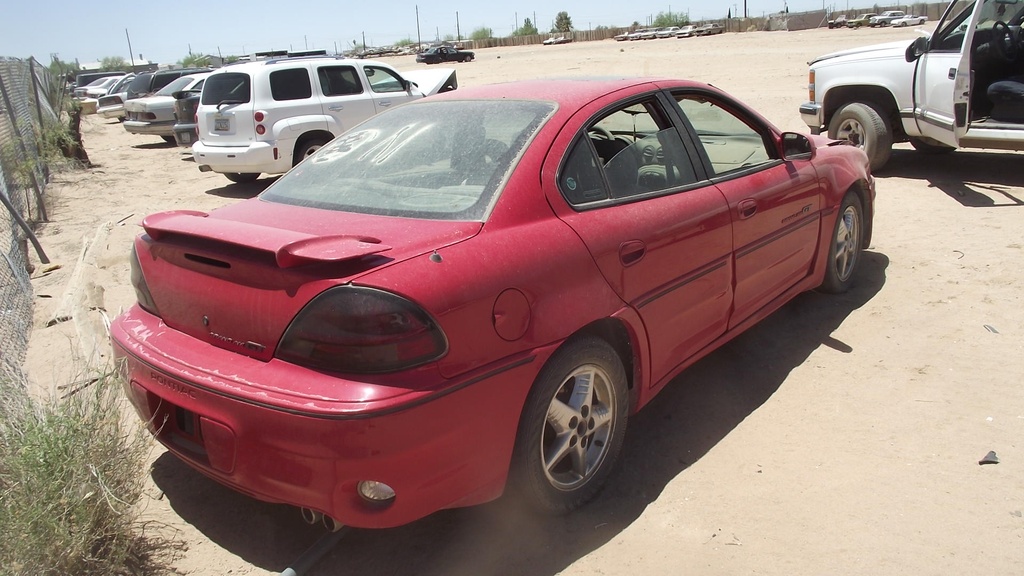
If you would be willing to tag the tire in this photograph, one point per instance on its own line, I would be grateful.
(306, 148)
(590, 429)
(867, 129)
(929, 146)
(241, 177)
(170, 140)
(845, 247)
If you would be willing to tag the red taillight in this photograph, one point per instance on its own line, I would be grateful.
(258, 116)
(260, 129)
(363, 331)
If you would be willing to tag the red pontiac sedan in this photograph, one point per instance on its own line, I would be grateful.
(476, 290)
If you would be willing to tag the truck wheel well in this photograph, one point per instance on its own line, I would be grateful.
(877, 97)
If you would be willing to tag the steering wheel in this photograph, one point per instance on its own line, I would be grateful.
(602, 132)
(1004, 41)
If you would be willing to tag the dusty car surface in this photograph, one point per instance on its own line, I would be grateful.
(439, 54)
(377, 335)
(958, 87)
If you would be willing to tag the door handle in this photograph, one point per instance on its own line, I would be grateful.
(746, 209)
(631, 252)
(336, 107)
(384, 103)
(952, 73)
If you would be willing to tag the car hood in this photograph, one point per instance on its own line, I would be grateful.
(432, 81)
(240, 274)
(149, 103)
(884, 51)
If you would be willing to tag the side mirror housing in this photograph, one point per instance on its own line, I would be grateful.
(918, 47)
(796, 146)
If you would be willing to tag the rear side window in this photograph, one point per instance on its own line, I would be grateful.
(339, 80)
(140, 85)
(161, 80)
(293, 84)
(230, 87)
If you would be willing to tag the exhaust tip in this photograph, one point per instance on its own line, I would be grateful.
(311, 516)
(331, 524)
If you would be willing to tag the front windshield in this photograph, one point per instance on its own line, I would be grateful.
(441, 160)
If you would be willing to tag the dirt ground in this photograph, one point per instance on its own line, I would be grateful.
(840, 436)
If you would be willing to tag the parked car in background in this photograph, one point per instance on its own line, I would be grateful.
(637, 34)
(98, 87)
(439, 54)
(376, 337)
(267, 116)
(650, 34)
(83, 79)
(621, 37)
(149, 83)
(112, 104)
(861, 20)
(686, 31)
(839, 22)
(667, 32)
(908, 20)
(186, 130)
(557, 40)
(154, 115)
(885, 18)
(709, 30)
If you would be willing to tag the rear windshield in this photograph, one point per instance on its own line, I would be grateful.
(440, 160)
(140, 83)
(179, 84)
(229, 87)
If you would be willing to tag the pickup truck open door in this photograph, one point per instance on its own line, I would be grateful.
(942, 79)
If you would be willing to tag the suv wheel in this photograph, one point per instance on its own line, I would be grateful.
(307, 148)
(866, 129)
(241, 178)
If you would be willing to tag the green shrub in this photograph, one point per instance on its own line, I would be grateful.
(72, 472)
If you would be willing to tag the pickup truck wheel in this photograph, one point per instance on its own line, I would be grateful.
(929, 146)
(867, 129)
(844, 249)
(241, 177)
(306, 148)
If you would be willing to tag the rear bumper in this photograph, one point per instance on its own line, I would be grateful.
(256, 158)
(111, 111)
(186, 134)
(149, 128)
(221, 413)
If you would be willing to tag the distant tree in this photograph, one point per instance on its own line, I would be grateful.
(449, 38)
(527, 29)
(670, 19)
(563, 23)
(482, 33)
(111, 63)
(600, 28)
(405, 42)
(195, 61)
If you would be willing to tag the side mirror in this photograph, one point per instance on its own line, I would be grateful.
(796, 146)
(918, 47)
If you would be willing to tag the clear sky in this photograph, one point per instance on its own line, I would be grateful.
(164, 31)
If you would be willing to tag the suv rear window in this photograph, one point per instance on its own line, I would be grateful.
(140, 85)
(231, 87)
(291, 84)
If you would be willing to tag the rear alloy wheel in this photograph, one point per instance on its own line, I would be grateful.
(844, 250)
(866, 129)
(307, 148)
(572, 427)
(241, 178)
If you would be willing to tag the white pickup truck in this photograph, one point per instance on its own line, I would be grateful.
(959, 87)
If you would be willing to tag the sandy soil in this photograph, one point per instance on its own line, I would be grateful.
(841, 436)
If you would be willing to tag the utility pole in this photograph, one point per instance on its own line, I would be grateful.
(130, 53)
(419, 41)
(458, 29)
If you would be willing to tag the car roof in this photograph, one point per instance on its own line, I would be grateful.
(570, 92)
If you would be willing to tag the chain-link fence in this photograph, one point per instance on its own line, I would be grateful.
(26, 92)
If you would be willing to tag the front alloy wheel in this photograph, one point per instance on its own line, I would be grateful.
(572, 427)
(844, 250)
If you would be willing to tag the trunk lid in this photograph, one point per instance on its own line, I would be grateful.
(235, 278)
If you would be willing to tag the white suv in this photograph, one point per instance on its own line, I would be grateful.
(264, 117)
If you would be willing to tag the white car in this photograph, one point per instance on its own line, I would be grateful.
(265, 116)
(908, 20)
(97, 87)
(111, 105)
(154, 115)
(686, 31)
(667, 32)
(956, 87)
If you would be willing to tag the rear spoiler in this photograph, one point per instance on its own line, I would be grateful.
(288, 247)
